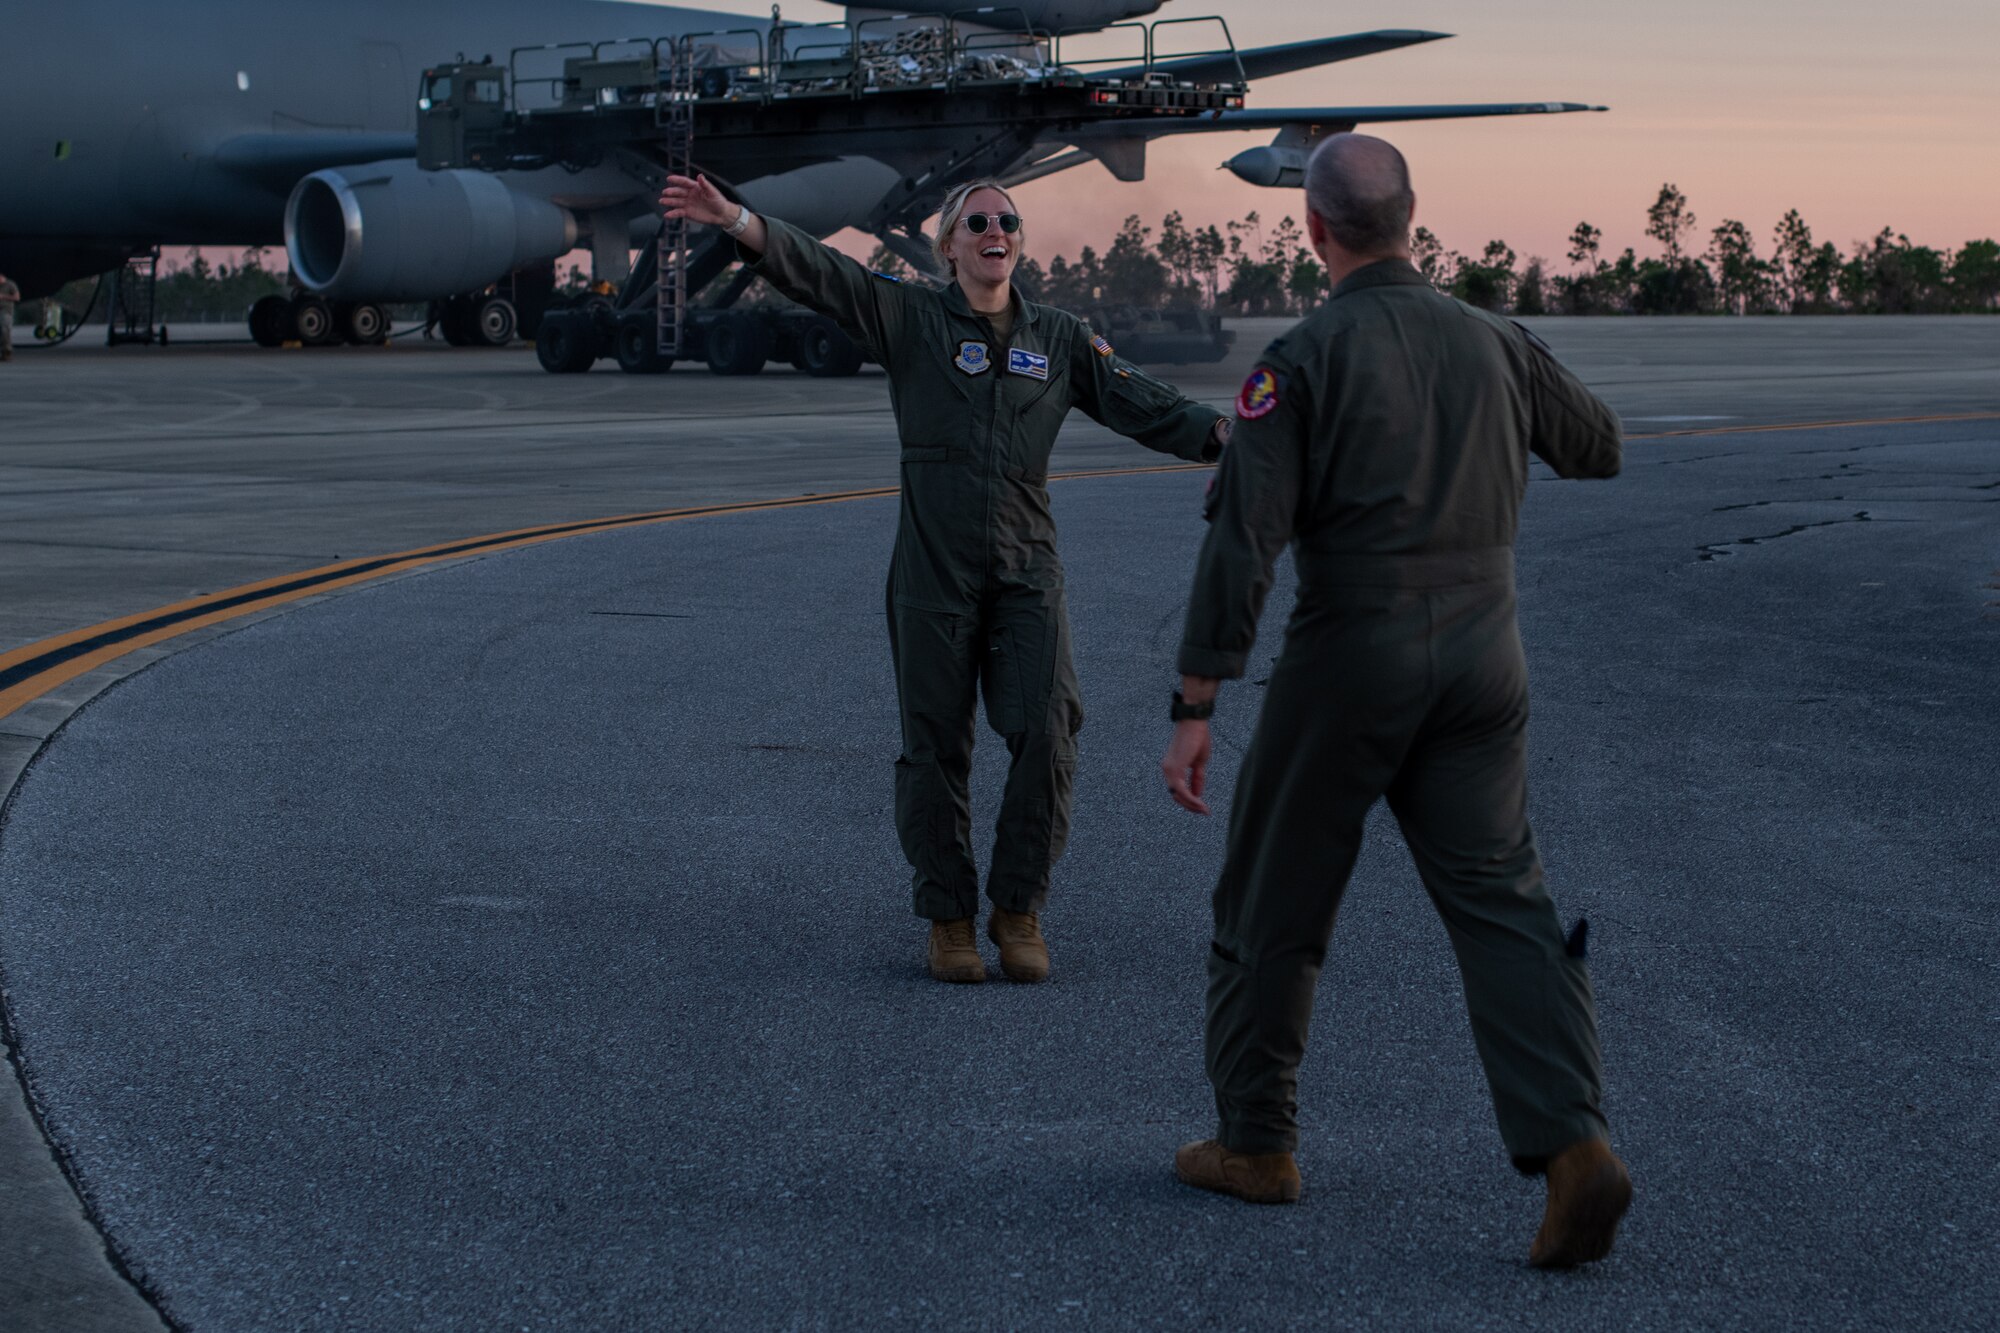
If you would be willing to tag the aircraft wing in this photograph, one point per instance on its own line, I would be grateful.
(1332, 119)
(1261, 62)
(279, 160)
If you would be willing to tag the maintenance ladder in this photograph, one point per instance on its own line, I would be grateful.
(674, 114)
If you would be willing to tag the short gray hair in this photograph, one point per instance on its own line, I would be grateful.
(954, 209)
(1360, 187)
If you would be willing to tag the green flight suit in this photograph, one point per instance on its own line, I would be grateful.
(1386, 439)
(975, 595)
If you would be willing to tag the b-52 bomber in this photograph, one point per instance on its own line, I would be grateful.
(460, 181)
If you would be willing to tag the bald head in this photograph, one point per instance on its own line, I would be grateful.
(1360, 188)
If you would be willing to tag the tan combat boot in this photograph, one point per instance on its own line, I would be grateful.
(1589, 1190)
(1270, 1177)
(955, 953)
(1024, 955)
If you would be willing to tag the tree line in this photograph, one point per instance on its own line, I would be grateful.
(1245, 268)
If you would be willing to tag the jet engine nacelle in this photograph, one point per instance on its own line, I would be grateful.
(1047, 15)
(390, 231)
(1270, 165)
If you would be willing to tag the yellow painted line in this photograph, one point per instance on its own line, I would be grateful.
(29, 672)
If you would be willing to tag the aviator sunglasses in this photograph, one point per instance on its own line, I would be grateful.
(977, 223)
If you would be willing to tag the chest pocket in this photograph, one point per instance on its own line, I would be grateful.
(1037, 396)
(938, 406)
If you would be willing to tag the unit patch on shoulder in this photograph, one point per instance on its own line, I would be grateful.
(972, 358)
(1259, 396)
(1098, 345)
(1032, 364)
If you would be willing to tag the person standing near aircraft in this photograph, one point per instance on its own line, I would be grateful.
(1386, 438)
(10, 296)
(980, 380)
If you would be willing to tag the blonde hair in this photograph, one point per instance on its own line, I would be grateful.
(954, 209)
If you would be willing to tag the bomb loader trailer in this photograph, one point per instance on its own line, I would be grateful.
(875, 88)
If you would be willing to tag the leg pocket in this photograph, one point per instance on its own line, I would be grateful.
(934, 669)
(1000, 680)
(1028, 678)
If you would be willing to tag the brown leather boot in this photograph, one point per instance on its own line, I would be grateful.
(954, 952)
(1270, 1177)
(1024, 955)
(1589, 1190)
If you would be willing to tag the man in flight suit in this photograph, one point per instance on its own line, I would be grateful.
(1386, 438)
(980, 380)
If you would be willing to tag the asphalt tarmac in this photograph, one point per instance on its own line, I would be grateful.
(138, 476)
(524, 943)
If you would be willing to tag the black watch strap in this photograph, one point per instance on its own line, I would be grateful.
(1183, 711)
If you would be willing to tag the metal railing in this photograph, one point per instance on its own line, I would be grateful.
(1228, 47)
(878, 54)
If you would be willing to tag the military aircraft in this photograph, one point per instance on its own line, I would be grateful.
(250, 122)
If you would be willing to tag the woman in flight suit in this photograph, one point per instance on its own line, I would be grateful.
(980, 381)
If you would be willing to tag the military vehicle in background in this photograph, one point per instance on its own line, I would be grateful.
(137, 125)
(1178, 335)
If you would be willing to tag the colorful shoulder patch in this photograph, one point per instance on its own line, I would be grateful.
(1098, 345)
(1259, 395)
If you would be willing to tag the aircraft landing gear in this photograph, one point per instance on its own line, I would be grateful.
(364, 324)
(313, 317)
(477, 321)
(271, 322)
(494, 322)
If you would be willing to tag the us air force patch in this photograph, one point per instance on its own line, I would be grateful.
(972, 358)
(1259, 396)
(1032, 364)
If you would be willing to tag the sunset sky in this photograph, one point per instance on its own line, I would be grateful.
(1859, 115)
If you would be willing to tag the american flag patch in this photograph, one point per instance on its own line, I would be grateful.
(1101, 347)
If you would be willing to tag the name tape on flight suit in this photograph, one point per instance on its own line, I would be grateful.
(972, 358)
(1032, 364)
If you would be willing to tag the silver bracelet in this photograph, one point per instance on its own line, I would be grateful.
(742, 223)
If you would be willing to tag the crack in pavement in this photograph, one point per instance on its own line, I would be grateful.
(1867, 499)
(1717, 550)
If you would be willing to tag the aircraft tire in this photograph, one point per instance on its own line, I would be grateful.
(638, 348)
(565, 344)
(313, 318)
(455, 321)
(738, 345)
(365, 324)
(494, 322)
(271, 322)
(825, 352)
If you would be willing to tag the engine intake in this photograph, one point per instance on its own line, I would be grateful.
(390, 231)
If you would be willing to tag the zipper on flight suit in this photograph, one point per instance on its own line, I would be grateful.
(993, 428)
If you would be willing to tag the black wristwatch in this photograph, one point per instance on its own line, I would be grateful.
(1183, 711)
